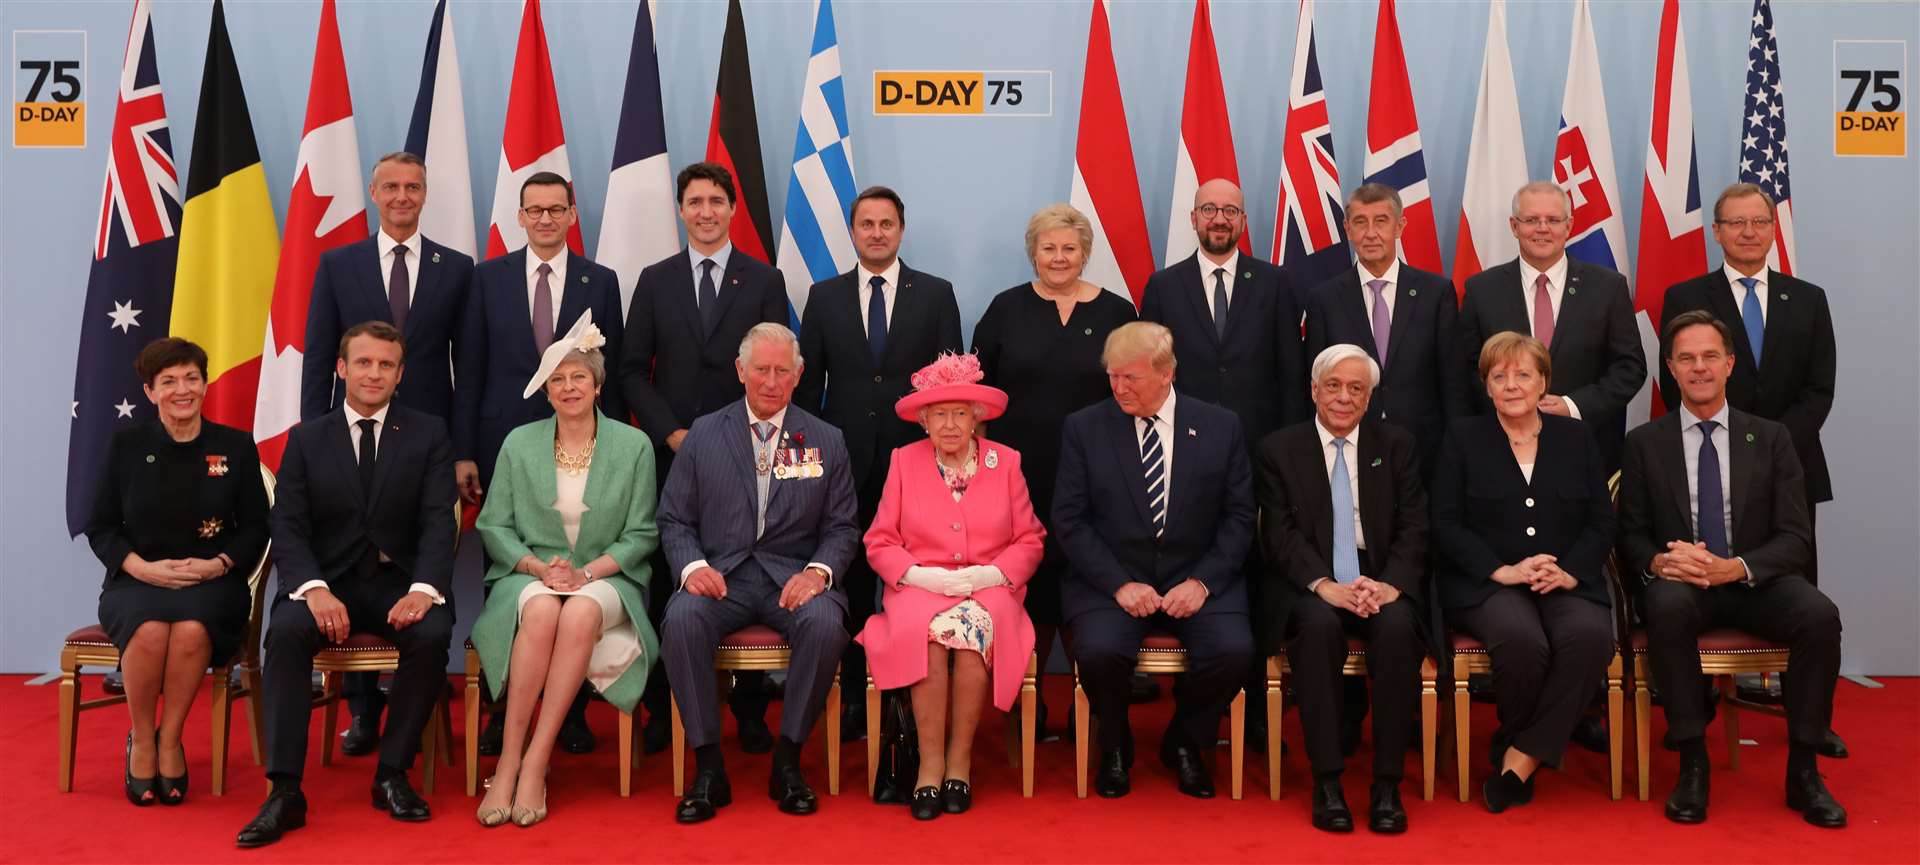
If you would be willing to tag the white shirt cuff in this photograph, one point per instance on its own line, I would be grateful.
(1315, 585)
(825, 570)
(1573, 408)
(1748, 581)
(300, 594)
(429, 591)
(692, 566)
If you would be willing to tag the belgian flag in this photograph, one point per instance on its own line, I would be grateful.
(733, 140)
(229, 242)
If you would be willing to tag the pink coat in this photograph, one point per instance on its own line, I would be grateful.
(919, 523)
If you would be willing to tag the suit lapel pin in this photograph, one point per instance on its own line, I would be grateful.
(1247, 275)
(583, 279)
(1783, 295)
(993, 459)
(1572, 290)
(734, 281)
(1413, 292)
(1089, 331)
(436, 258)
(1193, 432)
(1749, 438)
(1376, 462)
(149, 459)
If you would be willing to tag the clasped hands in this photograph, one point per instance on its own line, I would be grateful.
(330, 615)
(1363, 597)
(805, 585)
(956, 582)
(173, 573)
(1540, 573)
(1689, 562)
(1140, 600)
(557, 573)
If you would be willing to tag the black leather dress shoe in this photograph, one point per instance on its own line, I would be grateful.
(574, 737)
(754, 736)
(1142, 689)
(656, 735)
(1590, 734)
(1111, 781)
(493, 735)
(1688, 801)
(1385, 814)
(708, 793)
(956, 796)
(1506, 790)
(361, 737)
(1330, 813)
(396, 797)
(853, 722)
(1189, 769)
(1807, 794)
(1831, 745)
(282, 813)
(788, 787)
(925, 804)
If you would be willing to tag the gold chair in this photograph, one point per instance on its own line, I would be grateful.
(1019, 749)
(90, 647)
(1356, 665)
(1470, 657)
(629, 755)
(758, 647)
(1160, 654)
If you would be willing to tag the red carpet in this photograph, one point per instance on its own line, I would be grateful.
(1571, 819)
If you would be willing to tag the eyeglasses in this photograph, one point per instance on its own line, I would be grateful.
(1209, 211)
(534, 213)
(1759, 223)
(1537, 221)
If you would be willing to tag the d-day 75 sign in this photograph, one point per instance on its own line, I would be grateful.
(1869, 96)
(1003, 93)
(49, 80)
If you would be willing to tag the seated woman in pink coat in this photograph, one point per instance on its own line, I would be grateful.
(955, 540)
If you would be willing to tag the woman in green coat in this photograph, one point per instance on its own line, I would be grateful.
(568, 525)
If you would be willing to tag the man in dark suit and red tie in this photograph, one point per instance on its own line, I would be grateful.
(520, 302)
(689, 312)
(401, 277)
(864, 334)
(1713, 518)
(1581, 312)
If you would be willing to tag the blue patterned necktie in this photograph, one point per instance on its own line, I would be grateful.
(1751, 316)
(1346, 549)
(1712, 502)
(877, 318)
(1155, 469)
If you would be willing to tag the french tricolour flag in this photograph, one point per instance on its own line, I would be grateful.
(640, 225)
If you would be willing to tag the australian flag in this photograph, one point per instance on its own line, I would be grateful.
(130, 286)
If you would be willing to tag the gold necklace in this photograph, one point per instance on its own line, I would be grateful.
(573, 465)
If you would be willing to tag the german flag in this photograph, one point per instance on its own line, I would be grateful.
(733, 140)
(229, 242)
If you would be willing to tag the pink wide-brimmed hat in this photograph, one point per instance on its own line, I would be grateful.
(951, 378)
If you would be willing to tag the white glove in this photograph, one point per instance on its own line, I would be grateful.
(956, 583)
(923, 577)
(986, 576)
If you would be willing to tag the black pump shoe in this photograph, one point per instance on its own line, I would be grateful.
(956, 796)
(172, 791)
(140, 791)
(926, 803)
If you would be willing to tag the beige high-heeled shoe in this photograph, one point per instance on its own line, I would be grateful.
(489, 816)
(524, 817)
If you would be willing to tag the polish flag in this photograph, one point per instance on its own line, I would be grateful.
(1394, 156)
(533, 141)
(1105, 187)
(1205, 147)
(1496, 162)
(325, 209)
(1673, 237)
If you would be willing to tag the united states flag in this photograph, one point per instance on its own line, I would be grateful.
(1763, 141)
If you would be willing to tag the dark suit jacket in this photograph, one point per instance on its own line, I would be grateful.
(495, 355)
(1770, 531)
(1296, 515)
(323, 522)
(1100, 508)
(1424, 384)
(348, 288)
(1597, 359)
(1257, 372)
(1486, 514)
(707, 509)
(844, 385)
(1794, 383)
(673, 370)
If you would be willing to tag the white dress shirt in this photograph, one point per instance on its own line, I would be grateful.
(1392, 278)
(386, 245)
(1740, 291)
(1165, 428)
(778, 420)
(1556, 289)
(889, 290)
(379, 419)
(1723, 449)
(720, 257)
(1207, 267)
(556, 282)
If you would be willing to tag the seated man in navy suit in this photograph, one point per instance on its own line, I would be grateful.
(757, 518)
(1154, 507)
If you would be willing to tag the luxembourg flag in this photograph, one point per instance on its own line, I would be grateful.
(1105, 187)
(1204, 149)
(1673, 240)
(641, 225)
(814, 241)
(533, 140)
(1310, 237)
(1394, 156)
(438, 135)
(1583, 156)
(1496, 162)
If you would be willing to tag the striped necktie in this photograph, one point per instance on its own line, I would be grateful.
(1153, 465)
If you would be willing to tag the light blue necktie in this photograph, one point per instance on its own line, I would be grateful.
(1751, 316)
(1346, 551)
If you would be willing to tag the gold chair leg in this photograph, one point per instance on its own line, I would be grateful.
(1642, 725)
(446, 727)
(330, 717)
(679, 748)
(1462, 725)
(1029, 724)
(626, 754)
(1429, 725)
(873, 735)
(833, 736)
(69, 715)
(1080, 724)
(429, 748)
(255, 715)
(470, 706)
(1276, 708)
(1730, 720)
(221, 712)
(1615, 717)
(1237, 739)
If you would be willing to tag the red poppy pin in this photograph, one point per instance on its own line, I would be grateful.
(799, 439)
(216, 465)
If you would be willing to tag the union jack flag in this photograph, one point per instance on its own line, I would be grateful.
(130, 284)
(1309, 237)
(1763, 140)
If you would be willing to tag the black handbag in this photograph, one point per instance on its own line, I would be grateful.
(899, 763)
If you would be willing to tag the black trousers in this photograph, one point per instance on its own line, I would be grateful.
(1547, 652)
(1106, 645)
(1317, 651)
(293, 639)
(1786, 609)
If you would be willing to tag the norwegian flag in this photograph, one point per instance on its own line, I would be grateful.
(1309, 238)
(1105, 187)
(1673, 240)
(1394, 156)
(533, 141)
(1204, 147)
(326, 209)
(130, 284)
(1583, 156)
(1763, 140)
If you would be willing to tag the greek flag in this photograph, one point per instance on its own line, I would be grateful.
(814, 241)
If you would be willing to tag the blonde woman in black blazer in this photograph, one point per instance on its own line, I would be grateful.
(1523, 522)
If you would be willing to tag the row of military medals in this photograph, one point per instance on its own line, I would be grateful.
(788, 463)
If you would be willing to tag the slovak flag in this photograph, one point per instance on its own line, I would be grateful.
(1310, 237)
(1583, 156)
(1105, 187)
(533, 141)
(1673, 240)
(1204, 148)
